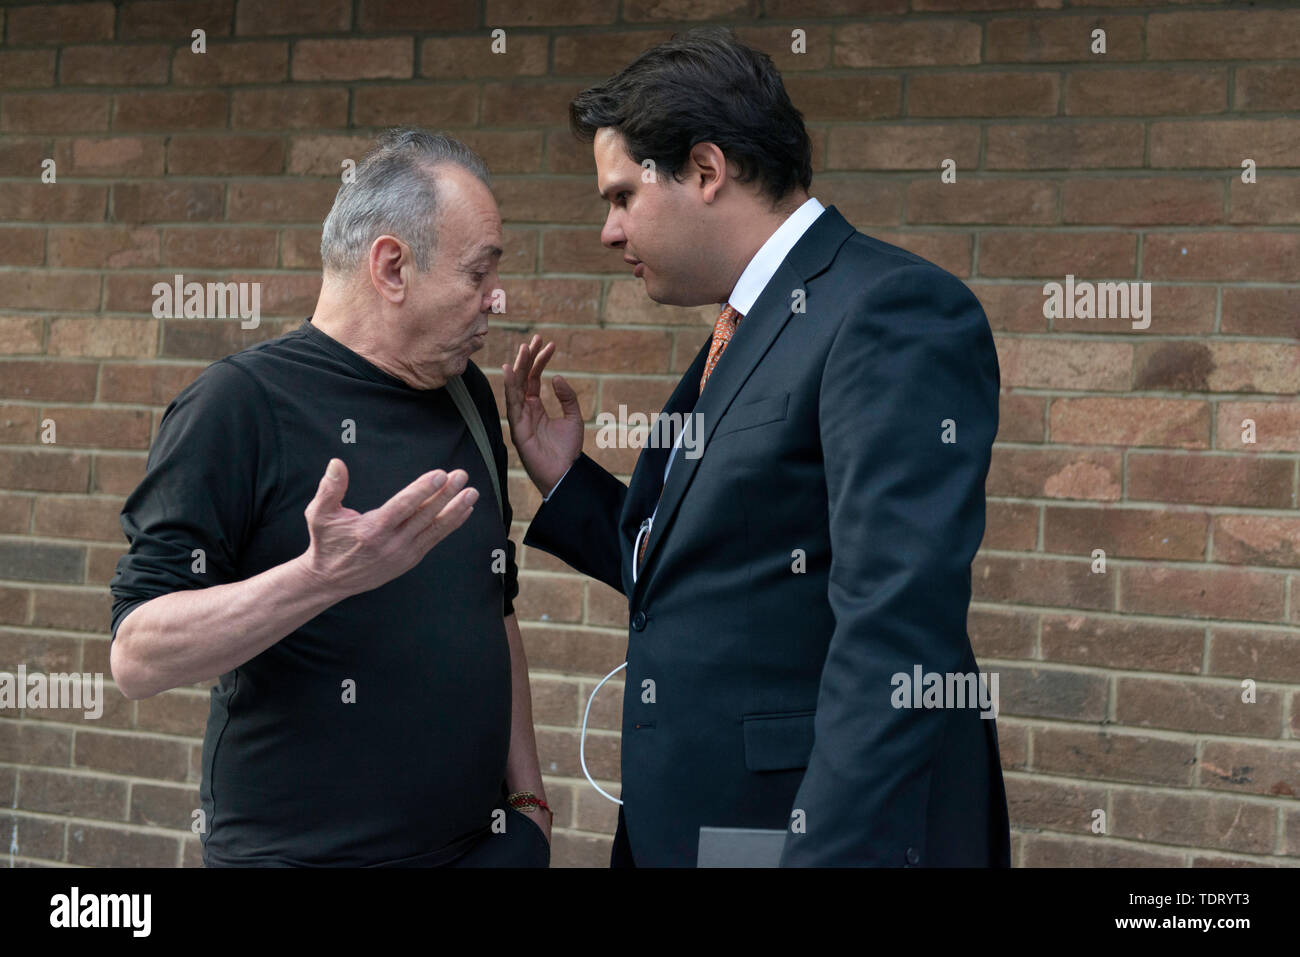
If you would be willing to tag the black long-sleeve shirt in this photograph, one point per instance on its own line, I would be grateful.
(378, 731)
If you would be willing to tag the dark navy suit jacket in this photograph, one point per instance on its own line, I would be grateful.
(819, 546)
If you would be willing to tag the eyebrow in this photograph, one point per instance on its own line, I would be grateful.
(484, 251)
(613, 188)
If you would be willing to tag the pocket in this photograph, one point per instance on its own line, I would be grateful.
(753, 414)
(778, 742)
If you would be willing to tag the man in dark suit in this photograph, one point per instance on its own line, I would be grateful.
(818, 551)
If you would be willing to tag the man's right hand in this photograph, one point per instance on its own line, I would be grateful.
(352, 552)
(546, 446)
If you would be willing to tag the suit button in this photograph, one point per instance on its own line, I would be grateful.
(912, 856)
(638, 621)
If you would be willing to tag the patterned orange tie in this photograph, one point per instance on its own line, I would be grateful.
(723, 330)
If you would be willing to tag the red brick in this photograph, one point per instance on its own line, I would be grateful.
(324, 155)
(1271, 201)
(1095, 255)
(1233, 256)
(1055, 473)
(1251, 768)
(999, 633)
(169, 19)
(102, 846)
(1225, 143)
(1101, 755)
(982, 94)
(1202, 593)
(54, 202)
(104, 247)
(1173, 423)
(22, 246)
(26, 68)
(44, 471)
(1045, 850)
(971, 200)
(103, 337)
(1277, 426)
(409, 105)
(1125, 643)
(1227, 35)
(1209, 480)
(1040, 581)
(109, 156)
(566, 12)
(915, 43)
(1052, 363)
(1053, 806)
(140, 756)
(72, 610)
(286, 108)
(32, 380)
(1040, 40)
(264, 17)
(530, 199)
(1271, 88)
(605, 351)
(1165, 91)
(221, 247)
(136, 65)
(354, 59)
(1076, 145)
(118, 475)
(389, 15)
(80, 795)
(1125, 533)
(847, 98)
(60, 24)
(911, 147)
(1200, 706)
(1257, 540)
(229, 64)
(281, 201)
(1192, 820)
(171, 111)
(574, 53)
(1130, 201)
(168, 202)
(224, 154)
(1255, 652)
(54, 112)
(20, 335)
(76, 516)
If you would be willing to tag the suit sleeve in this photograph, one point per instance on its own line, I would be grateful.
(578, 524)
(906, 518)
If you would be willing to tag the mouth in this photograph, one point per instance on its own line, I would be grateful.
(638, 267)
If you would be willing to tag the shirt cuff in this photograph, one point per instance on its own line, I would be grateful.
(547, 496)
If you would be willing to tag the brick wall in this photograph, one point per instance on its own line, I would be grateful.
(1120, 691)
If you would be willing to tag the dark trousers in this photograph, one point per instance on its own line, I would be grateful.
(621, 855)
(521, 844)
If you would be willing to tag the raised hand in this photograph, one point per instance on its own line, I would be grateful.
(547, 446)
(352, 552)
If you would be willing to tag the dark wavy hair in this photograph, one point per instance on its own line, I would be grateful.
(703, 86)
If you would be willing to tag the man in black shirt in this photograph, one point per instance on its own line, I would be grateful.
(373, 706)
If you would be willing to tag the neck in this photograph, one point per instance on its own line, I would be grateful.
(358, 322)
(757, 228)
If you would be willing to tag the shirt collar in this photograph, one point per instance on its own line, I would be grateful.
(771, 254)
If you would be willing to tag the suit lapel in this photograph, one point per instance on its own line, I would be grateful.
(754, 336)
(647, 478)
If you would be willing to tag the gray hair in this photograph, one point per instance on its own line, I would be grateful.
(395, 191)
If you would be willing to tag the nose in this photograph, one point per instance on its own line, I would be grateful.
(611, 234)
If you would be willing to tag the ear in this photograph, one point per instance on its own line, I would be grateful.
(709, 169)
(390, 262)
